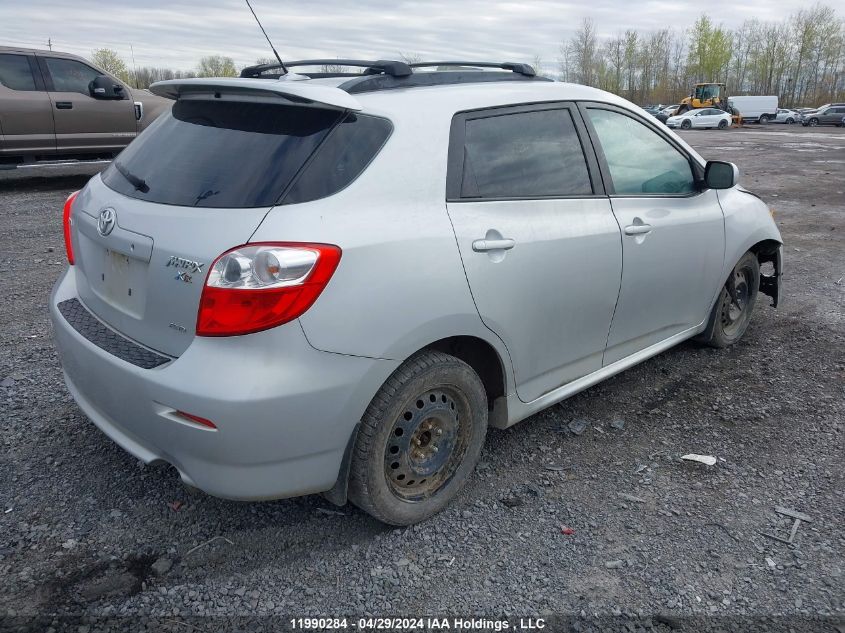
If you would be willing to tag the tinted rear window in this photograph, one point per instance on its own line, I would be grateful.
(15, 72)
(346, 153)
(527, 154)
(220, 153)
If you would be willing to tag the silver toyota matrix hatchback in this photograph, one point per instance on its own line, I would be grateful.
(298, 283)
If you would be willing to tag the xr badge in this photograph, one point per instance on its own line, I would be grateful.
(183, 276)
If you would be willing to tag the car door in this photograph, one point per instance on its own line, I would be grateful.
(673, 238)
(712, 116)
(834, 115)
(26, 115)
(699, 120)
(540, 245)
(85, 124)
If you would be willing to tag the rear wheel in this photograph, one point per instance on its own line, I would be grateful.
(723, 124)
(419, 440)
(732, 312)
(763, 119)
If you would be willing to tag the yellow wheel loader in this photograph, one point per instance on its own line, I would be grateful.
(705, 95)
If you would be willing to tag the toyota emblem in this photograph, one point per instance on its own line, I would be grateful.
(106, 221)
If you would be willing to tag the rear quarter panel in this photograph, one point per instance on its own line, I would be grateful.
(400, 284)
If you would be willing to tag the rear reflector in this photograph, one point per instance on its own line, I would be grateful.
(66, 224)
(260, 286)
(197, 419)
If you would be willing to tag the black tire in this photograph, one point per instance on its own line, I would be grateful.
(433, 402)
(813, 122)
(723, 124)
(763, 120)
(686, 124)
(790, 121)
(731, 314)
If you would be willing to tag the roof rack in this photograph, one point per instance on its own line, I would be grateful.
(383, 66)
(389, 74)
(522, 69)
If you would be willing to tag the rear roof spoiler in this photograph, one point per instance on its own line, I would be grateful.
(300, 93)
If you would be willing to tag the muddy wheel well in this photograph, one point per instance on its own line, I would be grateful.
(482, 357)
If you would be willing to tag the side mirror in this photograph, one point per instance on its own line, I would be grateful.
(720, 175)
(104, 87)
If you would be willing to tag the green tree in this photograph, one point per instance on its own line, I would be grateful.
(110, 61)
(217, 66)
(710, 50)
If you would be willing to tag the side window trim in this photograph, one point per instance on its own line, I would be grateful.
(457, 141)
(40, 84)
(697, 169)
(47, 78)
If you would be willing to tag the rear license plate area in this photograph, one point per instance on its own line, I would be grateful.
(120, 281)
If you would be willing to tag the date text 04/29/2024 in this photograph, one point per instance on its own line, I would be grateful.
(417, 624)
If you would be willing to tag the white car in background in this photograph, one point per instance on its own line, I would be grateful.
(701, 118)
(787, 116)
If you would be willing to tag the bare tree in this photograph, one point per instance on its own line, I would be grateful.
(216, 66)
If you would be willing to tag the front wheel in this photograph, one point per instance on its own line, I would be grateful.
(813, 122)
(419, 439)
(790, 121)
(686, 124)
(732, 312)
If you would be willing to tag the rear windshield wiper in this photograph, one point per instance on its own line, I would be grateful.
(139, 183)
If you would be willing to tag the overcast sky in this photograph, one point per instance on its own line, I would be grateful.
(176, 33)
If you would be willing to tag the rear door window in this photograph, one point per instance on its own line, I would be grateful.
(524, 155)
(217, 153)
(15, 72)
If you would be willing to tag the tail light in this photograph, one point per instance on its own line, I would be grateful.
(259, 286)
(66, 225)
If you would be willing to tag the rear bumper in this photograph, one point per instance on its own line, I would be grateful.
(284, 411)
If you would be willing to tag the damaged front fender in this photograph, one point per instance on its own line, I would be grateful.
(770, 284)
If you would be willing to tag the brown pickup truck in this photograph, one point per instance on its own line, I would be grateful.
(56, 106)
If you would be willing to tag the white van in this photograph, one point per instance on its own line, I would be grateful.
(763, 109)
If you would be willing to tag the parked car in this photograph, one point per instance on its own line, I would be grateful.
(56, 105)
(760, 108)
(830, 114)
(701, 118)
(787, 116)
(278, 289)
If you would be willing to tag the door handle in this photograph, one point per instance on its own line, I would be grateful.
(638, 229)
(504, 244)
(64, 105)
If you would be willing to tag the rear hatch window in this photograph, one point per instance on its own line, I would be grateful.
(238, 154)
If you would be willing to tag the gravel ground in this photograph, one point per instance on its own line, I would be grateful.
(86, 529)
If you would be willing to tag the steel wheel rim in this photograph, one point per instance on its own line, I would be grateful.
(426, 444)
(736, 301)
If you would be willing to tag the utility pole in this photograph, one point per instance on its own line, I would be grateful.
(134, 65)
(49, 43)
